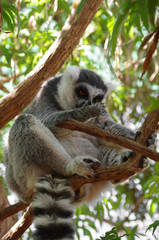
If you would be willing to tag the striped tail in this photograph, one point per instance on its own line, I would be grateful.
(53, 209)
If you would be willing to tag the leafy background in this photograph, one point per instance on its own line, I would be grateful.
(111, 47)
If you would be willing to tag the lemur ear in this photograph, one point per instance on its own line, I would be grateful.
(111, 86)
(66, 87)
(71, 73)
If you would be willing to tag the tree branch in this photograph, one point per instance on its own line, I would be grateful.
(20, 227)
(108, 136)
(12, 209)
(50, 64)
(131, 166)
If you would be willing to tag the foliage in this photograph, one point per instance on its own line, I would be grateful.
(111, 47)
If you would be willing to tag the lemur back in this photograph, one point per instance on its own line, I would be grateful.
(38, 150)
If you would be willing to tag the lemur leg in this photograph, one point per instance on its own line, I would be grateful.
(116, 155)
(111, 156)
(35, 148)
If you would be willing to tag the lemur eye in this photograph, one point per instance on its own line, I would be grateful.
(82, 92)
(98, 98)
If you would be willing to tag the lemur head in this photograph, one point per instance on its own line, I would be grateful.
(78, 86)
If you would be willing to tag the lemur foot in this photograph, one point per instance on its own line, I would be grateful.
(82, 165)
(138, 133)
(144, 163)
(151, 140)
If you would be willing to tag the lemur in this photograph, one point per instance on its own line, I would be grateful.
(40, 156)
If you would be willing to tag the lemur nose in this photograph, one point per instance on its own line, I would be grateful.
(89, 102)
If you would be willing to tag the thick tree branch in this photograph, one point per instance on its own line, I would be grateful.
(50, 64)
(130, 167)
(108, 136)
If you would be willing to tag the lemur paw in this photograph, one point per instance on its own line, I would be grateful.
(93, 110)
(144, 163)
(151, 140)
(82, 165)
(137, 134)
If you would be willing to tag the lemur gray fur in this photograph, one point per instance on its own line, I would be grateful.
(38, 150)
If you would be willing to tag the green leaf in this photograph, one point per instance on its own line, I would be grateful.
(119, 23)
(64, 5)
(154, 226)
(18, 17)
(154, 105)
(157, 167)
(87, 233)
(11, 10)
(80, 6)
(152, 9)
(148, 181)
(6, 53)
(7, 20)
(11, 16)
(110, 24)
(144, 13)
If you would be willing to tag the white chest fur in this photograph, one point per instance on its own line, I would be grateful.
(80, 144)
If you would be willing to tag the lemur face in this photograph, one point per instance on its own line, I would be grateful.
(78, 86)
(84, 92)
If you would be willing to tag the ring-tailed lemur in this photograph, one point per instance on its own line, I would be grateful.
(38, 151)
